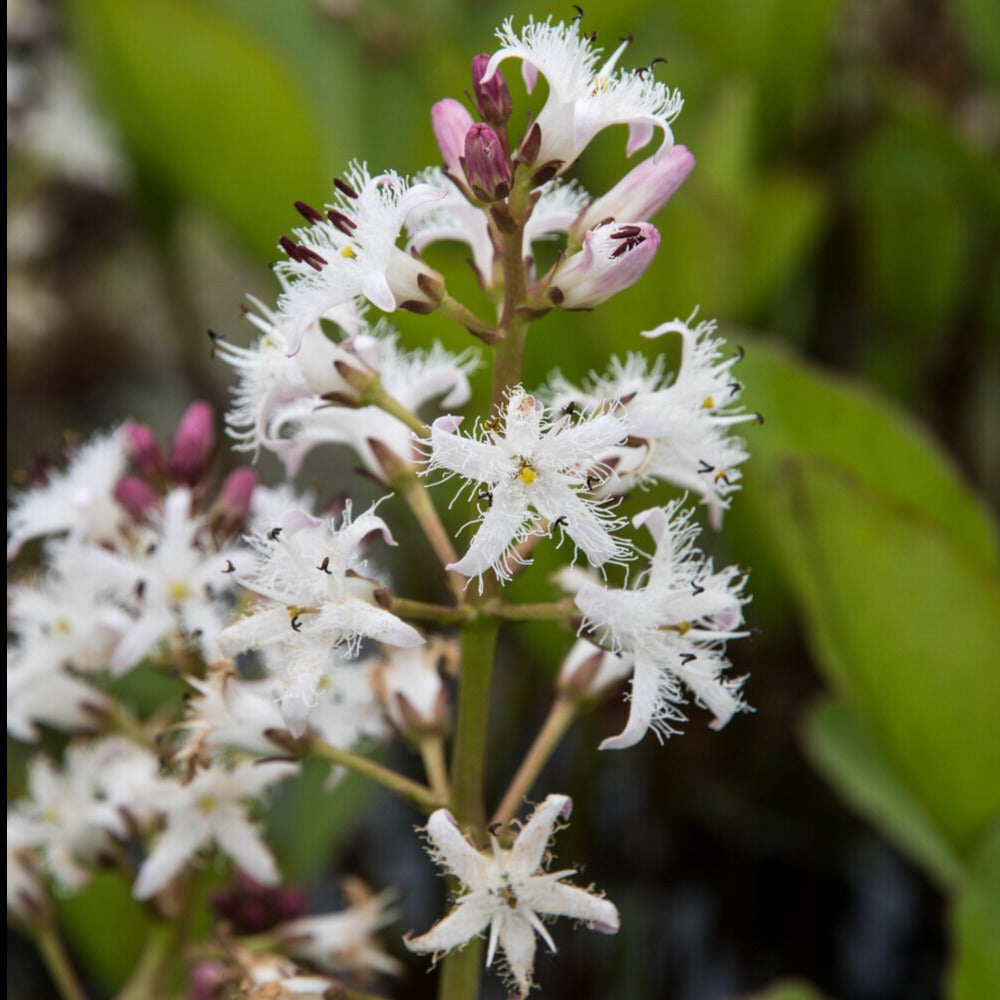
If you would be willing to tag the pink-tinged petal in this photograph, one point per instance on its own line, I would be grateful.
(529, 849)
(451, 120)
(643, 704)
(642, 192)
(639, 134)
(469, 919)
(293, 521)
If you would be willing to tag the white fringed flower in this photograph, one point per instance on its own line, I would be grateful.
(413, 378)
(536, 474)
(344, 942)
(209, 810)
(308, 576)
(672, 628)
(684, 423)
(351, 251)
(584, 98)
(78, 501)
(508, 891)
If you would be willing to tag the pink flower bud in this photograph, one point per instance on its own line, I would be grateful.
(613, 257)
(641, 193)
(135, 495)
(145, 452)
(450, 121)
(485, 163)
(193, 444)
(492, 97)
(233, 503)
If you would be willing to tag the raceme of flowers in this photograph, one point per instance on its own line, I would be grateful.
(277, 616)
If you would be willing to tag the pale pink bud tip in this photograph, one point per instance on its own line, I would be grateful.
(145, 451)
(135, 496)
(450, 121)
(485, 163)
(193, 444)
(237, 492)
(492, 96)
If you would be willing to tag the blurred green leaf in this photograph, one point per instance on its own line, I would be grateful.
(981, 20)
(907, 626)
(207, 106)
(976, 923)
(813, 413)
(851, 760)
(104, 904)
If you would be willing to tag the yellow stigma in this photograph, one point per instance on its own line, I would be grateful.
(207, 803)
(61, 626)
(348, 252)
(527, 475)
(709, 403)
(178, 591)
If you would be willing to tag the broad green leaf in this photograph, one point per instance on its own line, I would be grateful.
(907, 626)
(976, 927)
(105, 904)
(809, 412)
(852, 761)
(207, 107)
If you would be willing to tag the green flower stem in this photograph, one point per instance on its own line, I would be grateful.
(412, 489)
(375, 394)
(159, 947)
(420, 795)
(559, 719)
(455, 310)
(435, 765)
(56, 959)
(468, 761)
(423, 610)
(462, 971)
(564, 612)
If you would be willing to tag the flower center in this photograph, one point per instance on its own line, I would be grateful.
(527, 474)
(178, 591)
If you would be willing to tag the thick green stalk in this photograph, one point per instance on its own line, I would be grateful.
(57, 961)
(461, 971)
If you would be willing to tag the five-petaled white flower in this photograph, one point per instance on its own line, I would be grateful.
(672, 628)
(209, 810)
(535, 474)
(509, 891)
(584, 98)
(351, 250)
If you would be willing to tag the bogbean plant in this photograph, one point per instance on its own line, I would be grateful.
(290, 642)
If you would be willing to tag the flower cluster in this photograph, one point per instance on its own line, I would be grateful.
(268, 616)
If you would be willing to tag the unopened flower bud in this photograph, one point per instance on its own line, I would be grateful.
(145, 452)
(135, 495)
(492, 97)
(411, 690)
(613, 257)
(450, 121)
(641, 193)
(485, 163)
(233, 505)
(193, 444)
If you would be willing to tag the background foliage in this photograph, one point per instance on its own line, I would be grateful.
(847, 202)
